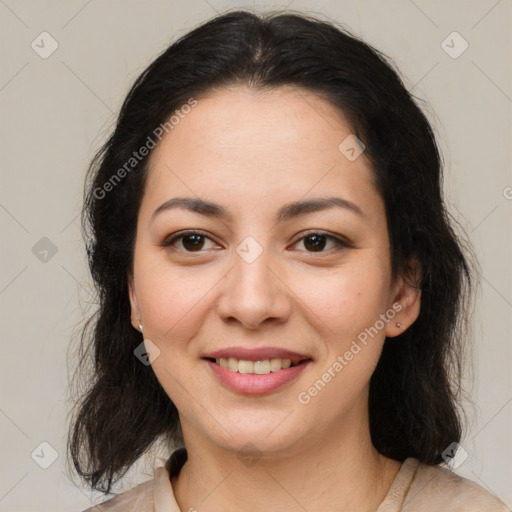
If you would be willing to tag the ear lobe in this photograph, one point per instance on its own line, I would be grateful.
(135, 314)
(408, 296)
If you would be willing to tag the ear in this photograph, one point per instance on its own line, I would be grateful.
(406, 296)
(135, 314)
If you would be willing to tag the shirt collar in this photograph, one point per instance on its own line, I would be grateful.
(163, 497)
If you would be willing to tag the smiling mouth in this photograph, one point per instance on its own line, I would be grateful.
(261, 367)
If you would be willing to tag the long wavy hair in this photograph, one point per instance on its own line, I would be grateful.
(122, 410)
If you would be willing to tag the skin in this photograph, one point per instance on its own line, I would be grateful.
(252, 152)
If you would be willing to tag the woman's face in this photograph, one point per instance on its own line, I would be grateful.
(292, 255)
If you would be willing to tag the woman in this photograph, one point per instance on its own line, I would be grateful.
(281, 291)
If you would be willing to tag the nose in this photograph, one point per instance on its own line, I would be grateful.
(253, 294)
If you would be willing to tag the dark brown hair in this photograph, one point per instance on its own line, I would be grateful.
(122, 409)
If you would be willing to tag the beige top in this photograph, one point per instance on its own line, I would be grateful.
(417, 487)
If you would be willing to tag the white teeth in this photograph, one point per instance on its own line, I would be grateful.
(262, 367)
(245, 366)
(275, 365)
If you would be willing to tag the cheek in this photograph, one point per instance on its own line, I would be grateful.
(172, 302)
(350, 305)
(346, 300)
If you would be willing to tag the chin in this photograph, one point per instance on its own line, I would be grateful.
(265, 435)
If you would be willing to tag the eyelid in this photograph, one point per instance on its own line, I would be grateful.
(180, 234)
(339, 240)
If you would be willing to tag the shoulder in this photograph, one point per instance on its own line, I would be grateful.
(137, 499)
(155, 495)
(438, 488)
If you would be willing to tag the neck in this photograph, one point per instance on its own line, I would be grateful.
(330, 471)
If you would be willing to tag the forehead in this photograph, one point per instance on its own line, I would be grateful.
(271, 144)
(283, 121)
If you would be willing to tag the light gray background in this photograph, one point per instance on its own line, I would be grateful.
(57, 111)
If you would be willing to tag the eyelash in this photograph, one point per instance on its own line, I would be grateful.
(340, 243)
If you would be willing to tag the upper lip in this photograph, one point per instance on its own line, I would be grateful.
(257, 354)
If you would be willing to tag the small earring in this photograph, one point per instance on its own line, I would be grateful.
(399, 325)
(140, 328)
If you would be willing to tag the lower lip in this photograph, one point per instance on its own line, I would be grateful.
(253, 384)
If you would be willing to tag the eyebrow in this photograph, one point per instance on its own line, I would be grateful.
(286, 212)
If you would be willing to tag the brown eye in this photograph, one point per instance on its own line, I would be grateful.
(322, 242)
(193, 242)
(315, 242)
(189, 242)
